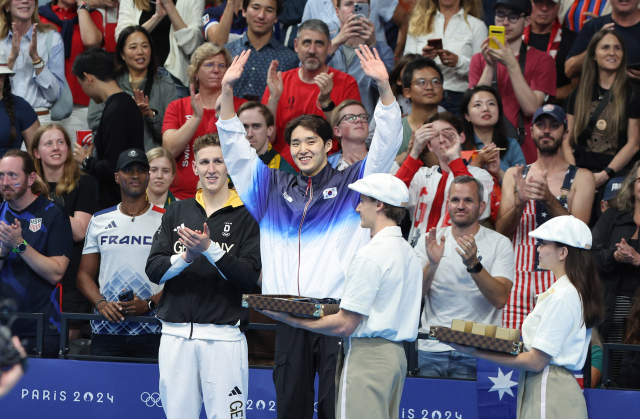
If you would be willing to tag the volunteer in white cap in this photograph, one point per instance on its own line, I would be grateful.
(380, 306)
(557, 333)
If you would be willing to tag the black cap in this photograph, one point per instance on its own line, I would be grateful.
(518, 6)
(133, 155)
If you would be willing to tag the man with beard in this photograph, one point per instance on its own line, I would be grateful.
(313, 88)
(531, 196)
(468, 272)
(116, 248)
(36, 245)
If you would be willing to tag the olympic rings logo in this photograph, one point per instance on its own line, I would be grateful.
(151, 400)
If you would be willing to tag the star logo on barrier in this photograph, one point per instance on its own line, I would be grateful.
(502, 383)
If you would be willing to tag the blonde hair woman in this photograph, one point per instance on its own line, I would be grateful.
(162, 170)
(51, 153)
(208, 65)
(176, 30)
(32, 48)
(457, 24)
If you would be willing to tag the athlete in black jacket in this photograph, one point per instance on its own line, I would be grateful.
(207, 254)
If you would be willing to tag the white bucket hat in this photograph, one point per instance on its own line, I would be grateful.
(383, 187)
(565, 229)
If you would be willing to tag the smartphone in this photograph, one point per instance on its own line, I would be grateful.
(435, 43)
(126, 295)
(361, 9)
(498, 33)
(634, 66)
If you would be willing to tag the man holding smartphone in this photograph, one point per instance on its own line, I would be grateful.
(356, 29)
(523, 92)
(116, 248)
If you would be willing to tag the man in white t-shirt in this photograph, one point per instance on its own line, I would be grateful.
(379, 308)
(116, 248)
(468, 274)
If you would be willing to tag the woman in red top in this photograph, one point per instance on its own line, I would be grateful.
(81, 29)
(191, 117)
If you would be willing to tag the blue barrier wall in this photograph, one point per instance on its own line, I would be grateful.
(67, 389)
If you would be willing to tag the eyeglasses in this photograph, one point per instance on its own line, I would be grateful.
(209, 66)
(513, 17)
(435, 83)
(351, 118)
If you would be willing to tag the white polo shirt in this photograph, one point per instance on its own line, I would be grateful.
(384, 284)
(556, 326)
(453, 293)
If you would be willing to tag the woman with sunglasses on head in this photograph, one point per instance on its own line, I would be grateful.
(616, 248)
(483, 122)
(449, 32)
(557, 333)
(604, 113)
(138, 76)
(208, 65)
(76, 192)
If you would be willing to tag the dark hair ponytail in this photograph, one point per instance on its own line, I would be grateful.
(581, 271)
(9, 104)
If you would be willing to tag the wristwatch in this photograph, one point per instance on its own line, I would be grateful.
(84, 6)
(475, 269)
(85, 162)
(21, 247)
(331, 106)
(610, 172)
(151, 304)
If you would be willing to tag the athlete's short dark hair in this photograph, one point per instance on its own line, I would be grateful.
(315, 123)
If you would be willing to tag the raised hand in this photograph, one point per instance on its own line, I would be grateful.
(435, 251)
(422, 136)
(234, 72)
(143, 103)
(324, 81)
(521, 196)
(33, 45)
(15, 45)
(274, 80)
(196, 102)
(467, 250)
(484, 48)
(371, 64)
(160, 10)
(538, 189)
(454, 151)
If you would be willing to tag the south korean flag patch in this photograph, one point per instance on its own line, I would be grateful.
(330, 193)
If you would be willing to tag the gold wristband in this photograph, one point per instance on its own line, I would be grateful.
(38, 61)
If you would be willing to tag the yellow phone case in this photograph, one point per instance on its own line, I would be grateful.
(498, 33)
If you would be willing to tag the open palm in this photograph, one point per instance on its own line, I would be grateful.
(371, 63)
(234, 72)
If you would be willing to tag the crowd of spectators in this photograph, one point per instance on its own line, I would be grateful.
(547, 123)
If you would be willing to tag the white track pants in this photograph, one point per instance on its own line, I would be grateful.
(195, 370)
